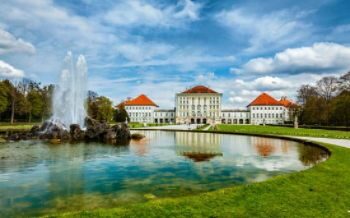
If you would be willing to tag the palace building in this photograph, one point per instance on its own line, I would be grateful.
(140, 109)
(202, 105)
(199, 104)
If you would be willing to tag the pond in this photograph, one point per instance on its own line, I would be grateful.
(37, 178)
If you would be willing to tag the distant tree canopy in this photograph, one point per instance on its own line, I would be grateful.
(29, 101)
(327, 103)
(24, 101)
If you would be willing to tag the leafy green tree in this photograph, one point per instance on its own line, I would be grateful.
(105, 109)
(100, 108)
(4, 97)
(341, 108)
(120, 114)
(37, 104)
(46, 94)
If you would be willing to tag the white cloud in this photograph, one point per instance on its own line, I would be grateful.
(11, 44)
(270, 83)
(319, 57)
(8, 71)
(184, 59)
(141, 13)
(265, 31)
(205, 77)
(237, 99)
(139, 52)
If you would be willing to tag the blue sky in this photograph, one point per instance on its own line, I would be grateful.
(160, 47)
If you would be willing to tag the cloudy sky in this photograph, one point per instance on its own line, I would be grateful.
(160, 47)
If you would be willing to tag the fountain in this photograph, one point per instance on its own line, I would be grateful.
(71, 93)
(70, 121)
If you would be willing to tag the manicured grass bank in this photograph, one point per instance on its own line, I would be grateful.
(275, 130)
(16, 126)
(322, 191)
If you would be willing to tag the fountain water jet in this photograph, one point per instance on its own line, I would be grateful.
(71, 93)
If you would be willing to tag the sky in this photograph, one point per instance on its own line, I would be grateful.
(161, 47)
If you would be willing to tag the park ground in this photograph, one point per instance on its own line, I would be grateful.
(322, 191)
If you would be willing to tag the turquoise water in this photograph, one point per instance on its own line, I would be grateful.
(37, 178)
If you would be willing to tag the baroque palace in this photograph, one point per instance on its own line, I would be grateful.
(202, 105)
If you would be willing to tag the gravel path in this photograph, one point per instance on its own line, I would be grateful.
(340, 142)
(172, 127)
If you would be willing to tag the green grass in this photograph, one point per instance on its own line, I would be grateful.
(16, 126)
(275, 130)
(322, 191)
(140, 125)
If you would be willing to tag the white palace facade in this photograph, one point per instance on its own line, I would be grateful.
(202, 105)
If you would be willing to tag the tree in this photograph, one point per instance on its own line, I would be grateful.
(308, 99)
(105, 109)
(46, 94)
(327, 87)
(305, 92)
(344, 82)
(37, 103)
(120, 114)
(4, 97)
(341, 108)
(100, 108)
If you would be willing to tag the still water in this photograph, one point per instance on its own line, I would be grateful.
(37, 178)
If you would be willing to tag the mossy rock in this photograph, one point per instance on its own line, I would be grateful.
(2, 140)
(137, 136)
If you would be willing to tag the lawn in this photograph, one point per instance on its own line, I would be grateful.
(140, 125)
(16, 126)
(275, 130)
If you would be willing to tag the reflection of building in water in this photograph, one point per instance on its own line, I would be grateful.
(266, 147)
(198, 146)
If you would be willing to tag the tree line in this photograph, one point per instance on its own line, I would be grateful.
(30, 101)
(325, 103)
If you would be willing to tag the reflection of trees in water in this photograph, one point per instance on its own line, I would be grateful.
(198, 146)
(310, 155)
(266, 147)
(140, 147)
(265, 150)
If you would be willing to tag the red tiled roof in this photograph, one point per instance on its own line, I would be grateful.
(265, 99)
(199, 89)
(286, 102)
(141, 100)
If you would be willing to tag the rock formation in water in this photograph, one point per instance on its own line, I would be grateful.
(95, 131)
